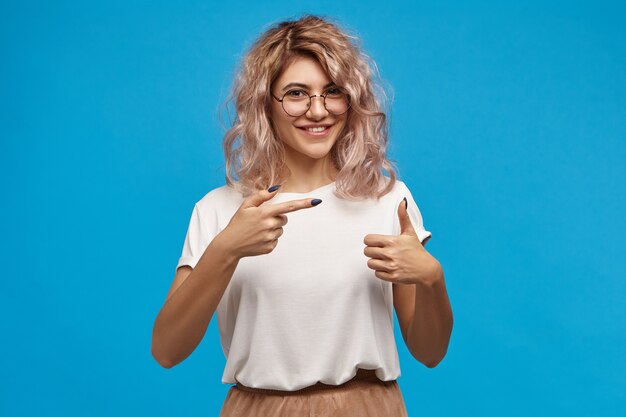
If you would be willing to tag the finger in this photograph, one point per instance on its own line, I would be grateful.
(289, 206)
(283, 219)
(272, 237)
(375, 252)
(377, 240)
(277, 222)
(385, 276)
(258, 198)
(378, 265)
(406, 228)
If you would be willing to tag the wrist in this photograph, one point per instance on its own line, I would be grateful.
(225, 249)
(434, 276)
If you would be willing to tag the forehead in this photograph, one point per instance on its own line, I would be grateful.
(304, 70)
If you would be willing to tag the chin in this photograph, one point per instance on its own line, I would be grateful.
(312, 150)
(322, 152)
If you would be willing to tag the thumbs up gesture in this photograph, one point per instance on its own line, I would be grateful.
(400, 259)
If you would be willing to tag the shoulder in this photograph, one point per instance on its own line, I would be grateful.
(398, 189)
(399, 185)
(404, 190)
(219, 197)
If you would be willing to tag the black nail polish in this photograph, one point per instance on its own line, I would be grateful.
(273, 188)
(316, 202)
(406, 204)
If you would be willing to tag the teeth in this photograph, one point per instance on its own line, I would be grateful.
(316, 129)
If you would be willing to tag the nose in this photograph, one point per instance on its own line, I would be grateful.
(317, 110)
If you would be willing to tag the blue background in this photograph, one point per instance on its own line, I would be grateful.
(508, 125)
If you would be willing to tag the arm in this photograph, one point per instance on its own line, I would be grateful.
(191, 302)
(428, 333)
(252, 231)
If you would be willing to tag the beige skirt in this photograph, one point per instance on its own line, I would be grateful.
(363, 396)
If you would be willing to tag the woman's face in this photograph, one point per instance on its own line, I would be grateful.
(298, 143)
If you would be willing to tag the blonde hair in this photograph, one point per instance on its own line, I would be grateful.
(360, 151)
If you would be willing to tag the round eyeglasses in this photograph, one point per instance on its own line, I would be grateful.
(297, 102)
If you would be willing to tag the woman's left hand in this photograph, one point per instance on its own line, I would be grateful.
(401, 259)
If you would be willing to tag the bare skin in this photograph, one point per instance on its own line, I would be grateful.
(308, 158)
(195, 293)
(423, 311)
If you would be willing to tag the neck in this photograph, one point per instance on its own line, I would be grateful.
(309, 176)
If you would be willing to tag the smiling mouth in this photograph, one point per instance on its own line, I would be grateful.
(317, 130)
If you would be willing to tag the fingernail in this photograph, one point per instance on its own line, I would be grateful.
(315, 202)
(273, 188)
(406, 204)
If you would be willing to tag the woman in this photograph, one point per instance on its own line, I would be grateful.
(307, 324)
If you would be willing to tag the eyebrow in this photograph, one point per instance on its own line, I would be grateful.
(330, 84)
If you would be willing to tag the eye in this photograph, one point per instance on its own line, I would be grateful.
(292, 93)
(335, 92)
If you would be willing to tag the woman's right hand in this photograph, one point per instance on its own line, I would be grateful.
(254, 229)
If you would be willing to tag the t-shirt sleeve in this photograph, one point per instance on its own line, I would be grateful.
(416, 217)
(199, 235)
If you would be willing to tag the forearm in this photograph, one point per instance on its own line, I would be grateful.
(429, 331)
(185, 316)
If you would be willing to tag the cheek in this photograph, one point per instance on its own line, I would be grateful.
(281, 123)
(286, 128)
(341, 129)
(285, 131)
(278, 125)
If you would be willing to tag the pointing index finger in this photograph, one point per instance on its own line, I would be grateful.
(293, 205)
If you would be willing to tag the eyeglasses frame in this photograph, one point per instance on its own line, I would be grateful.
(310, 101)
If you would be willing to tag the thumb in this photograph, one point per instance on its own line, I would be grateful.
(406, 228)
(260, 197)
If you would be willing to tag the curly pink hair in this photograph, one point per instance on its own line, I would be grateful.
(360, 151)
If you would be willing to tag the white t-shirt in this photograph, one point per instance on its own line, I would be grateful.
(311, 310)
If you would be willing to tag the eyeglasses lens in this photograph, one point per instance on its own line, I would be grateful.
(297, 102)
